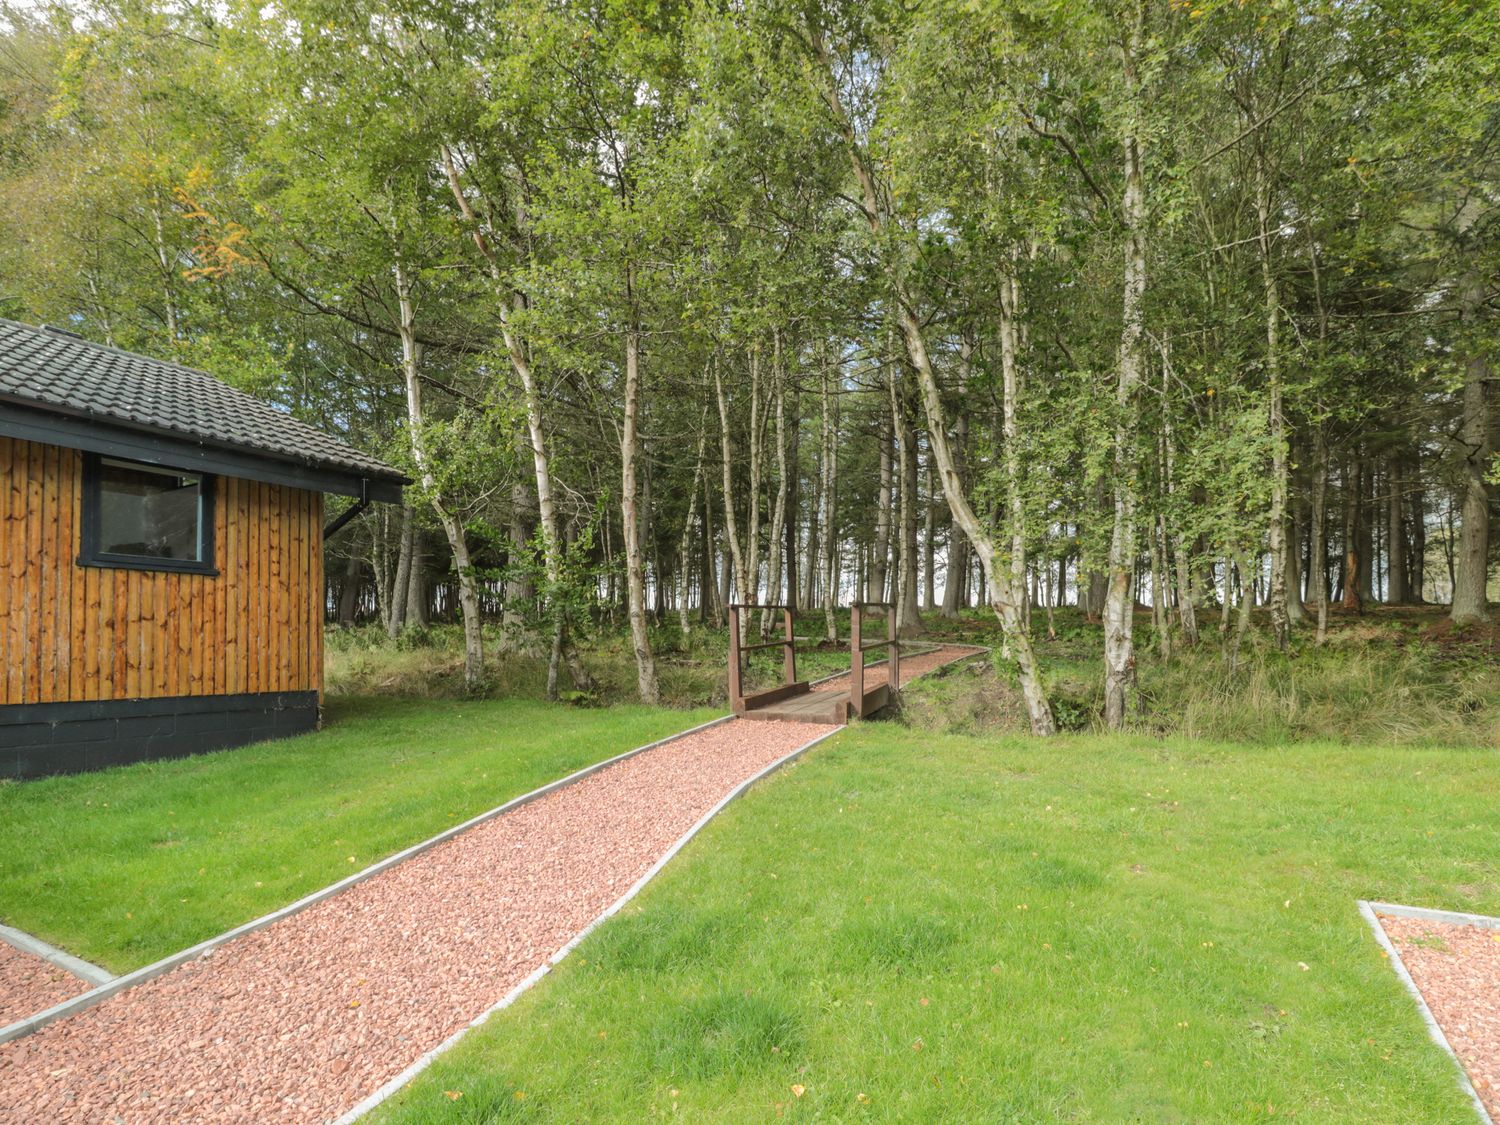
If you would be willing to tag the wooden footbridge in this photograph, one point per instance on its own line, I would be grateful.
(797, 700)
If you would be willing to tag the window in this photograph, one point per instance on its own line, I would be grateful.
(145, 517)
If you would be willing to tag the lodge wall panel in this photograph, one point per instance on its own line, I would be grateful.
(75, 633)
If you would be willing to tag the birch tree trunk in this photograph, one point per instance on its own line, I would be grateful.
(1396, 592)
(778, 513)
(1318, 555)
(752, 533)
(830, 462)
(687, 530)
(908, 608)
(1010, 379)
(1280, 618)
(929, 531)
(1471, 570)
(520, 588)
(998, 591)
(552, 543)
(1161, 609)
(743, 593)
(875, 586)
(1119, 649)
(1187, 615)
(955, 587)
(635, 577)
(468, 594)
(164, 264)
(1352, 556)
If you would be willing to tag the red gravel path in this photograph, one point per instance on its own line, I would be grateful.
(911, 667)
(1457, 969)
(29, 985)
(299, 1021)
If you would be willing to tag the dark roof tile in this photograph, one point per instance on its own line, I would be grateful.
(53, 369)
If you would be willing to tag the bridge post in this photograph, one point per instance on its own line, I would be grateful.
(736, 686)
(893, 660)
(789, 654)
(856, 662)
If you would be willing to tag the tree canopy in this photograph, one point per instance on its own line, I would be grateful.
(1179, 307)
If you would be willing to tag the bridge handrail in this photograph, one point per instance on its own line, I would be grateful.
(858, 648)
(737, 651)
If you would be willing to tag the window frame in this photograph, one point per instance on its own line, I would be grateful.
(89, 553)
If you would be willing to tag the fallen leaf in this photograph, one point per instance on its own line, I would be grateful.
(798, 1090)
(453, 1095)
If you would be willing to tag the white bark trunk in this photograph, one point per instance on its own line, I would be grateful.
(1471, 571)
(635, 577)
(1119, 600)
(468, 593)
(998, 592)
(1280, 617)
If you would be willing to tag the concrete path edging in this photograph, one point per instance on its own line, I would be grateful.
(61, 958)
(115, 985)
(427, 1059)
(1370, 911)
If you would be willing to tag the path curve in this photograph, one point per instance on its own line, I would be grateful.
(299, 1021)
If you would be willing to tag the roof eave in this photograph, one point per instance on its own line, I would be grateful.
(79, 429)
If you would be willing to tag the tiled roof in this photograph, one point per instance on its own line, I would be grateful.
(56, 370)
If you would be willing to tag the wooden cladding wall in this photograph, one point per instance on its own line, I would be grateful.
(70, 633)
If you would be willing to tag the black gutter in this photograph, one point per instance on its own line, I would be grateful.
(354, 510)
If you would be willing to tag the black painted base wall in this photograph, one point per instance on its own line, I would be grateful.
(40, 739)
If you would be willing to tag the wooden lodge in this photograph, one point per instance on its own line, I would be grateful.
(161, 562)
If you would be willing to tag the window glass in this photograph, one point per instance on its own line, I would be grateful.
(149, 513)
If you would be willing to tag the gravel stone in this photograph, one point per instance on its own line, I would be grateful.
(29, 984)
(299, 1021)
(1457, 969)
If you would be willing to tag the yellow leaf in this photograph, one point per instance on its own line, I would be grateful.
(453, 1095)
(799, 1090)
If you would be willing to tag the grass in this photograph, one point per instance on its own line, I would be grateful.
(959, 929)
(125, 866)
(1388, 676)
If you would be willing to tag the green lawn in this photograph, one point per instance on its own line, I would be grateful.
(941, 928)
(128, 865)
